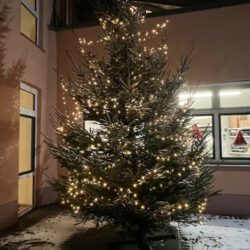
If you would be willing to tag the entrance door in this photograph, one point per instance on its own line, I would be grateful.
(27, 145)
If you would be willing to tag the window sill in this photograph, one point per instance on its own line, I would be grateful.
(229, 163)
(30, 40)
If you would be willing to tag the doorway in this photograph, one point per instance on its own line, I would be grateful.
(27, 146)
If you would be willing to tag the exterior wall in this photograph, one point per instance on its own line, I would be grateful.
(39, 74)
(221, 50)
(221, 54)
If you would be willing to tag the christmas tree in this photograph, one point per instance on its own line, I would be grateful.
(136, 170)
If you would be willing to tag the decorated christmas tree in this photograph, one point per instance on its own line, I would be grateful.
(134, 170)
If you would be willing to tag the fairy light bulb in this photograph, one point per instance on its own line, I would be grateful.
(60, 129)
(179, 207)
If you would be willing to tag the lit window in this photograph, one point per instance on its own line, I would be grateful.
(203, 125)
(27, 145)
(25, 193)
(29, 19)
(199, 100)
(27, 100)
(235, 136)
(235, 98)
(92, 126)
(224, 110)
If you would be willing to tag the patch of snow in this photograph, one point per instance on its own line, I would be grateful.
(216, 232)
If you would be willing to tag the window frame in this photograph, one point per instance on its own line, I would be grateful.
(216, 111)
(229, 158)
(31, 114)
(213, 136)
(35, 13)
(33, 134)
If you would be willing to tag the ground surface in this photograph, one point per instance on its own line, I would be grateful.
(217, 232)
(52, 228)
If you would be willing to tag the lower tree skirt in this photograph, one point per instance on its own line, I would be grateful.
(109, 239)
(150, 243)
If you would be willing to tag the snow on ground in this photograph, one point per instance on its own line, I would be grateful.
(223, 233)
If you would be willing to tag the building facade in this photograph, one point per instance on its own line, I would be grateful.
(220, 65)
(26, 104)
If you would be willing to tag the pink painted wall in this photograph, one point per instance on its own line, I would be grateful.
(39, 73)
(222, 43)
(221, 54)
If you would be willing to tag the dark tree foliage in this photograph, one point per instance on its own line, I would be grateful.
(137, 170)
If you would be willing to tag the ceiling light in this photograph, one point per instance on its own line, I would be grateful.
(229, 93)
(200, 94)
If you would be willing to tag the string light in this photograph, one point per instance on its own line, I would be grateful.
(99, 81)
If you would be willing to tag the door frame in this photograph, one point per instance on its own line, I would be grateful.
(33, 115)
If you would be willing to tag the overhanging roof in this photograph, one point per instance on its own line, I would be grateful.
(80, 13)
(168, 7)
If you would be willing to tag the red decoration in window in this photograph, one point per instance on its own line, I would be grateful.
(239, 140)
(196, 132)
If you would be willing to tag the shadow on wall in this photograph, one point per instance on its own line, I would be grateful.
(46, 194)
(9, 103)
(10, 78)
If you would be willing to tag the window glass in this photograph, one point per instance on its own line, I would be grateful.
(199, 99)
(200, 125)
(235, 136)
(28, 23)
(25, 144)
(32, 3)
(25, 193)
(234, 98)
(26, 100)
(92, 126)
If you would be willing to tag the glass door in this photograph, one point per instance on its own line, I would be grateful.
(27, 145)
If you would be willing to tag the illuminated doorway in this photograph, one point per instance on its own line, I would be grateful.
(27, 145)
